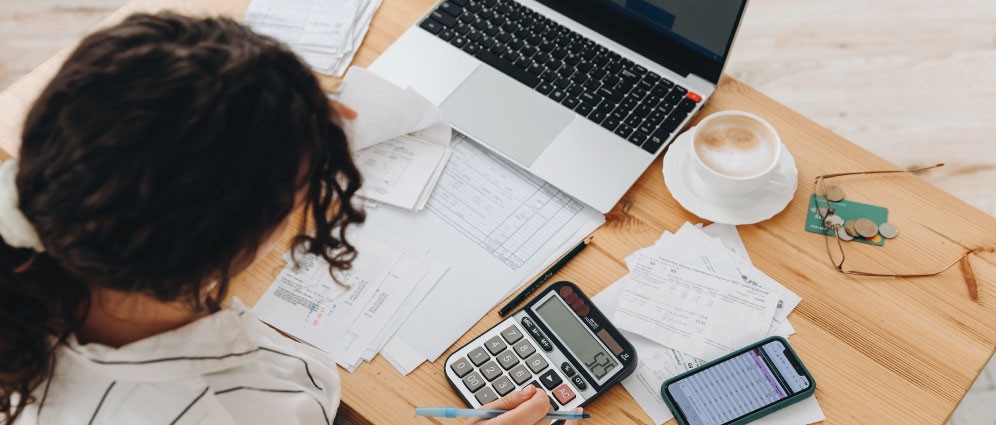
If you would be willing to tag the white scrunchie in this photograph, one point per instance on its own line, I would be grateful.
(15, 228)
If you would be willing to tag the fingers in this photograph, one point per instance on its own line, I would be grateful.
(344, 111)
(509, 402)
(530, 411)
(576, 409)
(512, 400)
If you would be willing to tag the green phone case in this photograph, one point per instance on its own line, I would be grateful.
(758, 414)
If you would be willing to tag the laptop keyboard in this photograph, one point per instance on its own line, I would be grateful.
(614, 92)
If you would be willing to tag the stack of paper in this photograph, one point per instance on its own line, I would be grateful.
(496, 226)
(691, 298)
(400, 140)
(324, 33)
(351, 319)
(492, 224)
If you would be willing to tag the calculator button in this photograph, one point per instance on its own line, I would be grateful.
(520, 374)
(461, 367)
(528, 324)
(473, 382)
(550, 379)
(524, 349)
(486, 395)
(491, 370)
(579, 382)
(495, 345)
(553, 403)
(536, 363)
(507, 359)
(503, 386)
(478, 356)
(567, 369)
(544, 343)
(511, 334)
(564, 394)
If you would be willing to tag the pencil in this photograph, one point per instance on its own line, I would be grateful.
(544, 277)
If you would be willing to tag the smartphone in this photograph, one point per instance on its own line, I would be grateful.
(740, 387)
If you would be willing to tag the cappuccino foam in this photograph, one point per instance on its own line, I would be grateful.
(736, 146)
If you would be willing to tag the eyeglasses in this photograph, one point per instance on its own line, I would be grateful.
(837, 246)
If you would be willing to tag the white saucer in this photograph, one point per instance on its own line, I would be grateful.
(692, 193)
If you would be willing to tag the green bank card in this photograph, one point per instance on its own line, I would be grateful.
(848, 210)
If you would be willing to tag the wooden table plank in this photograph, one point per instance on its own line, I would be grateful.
(882, 350)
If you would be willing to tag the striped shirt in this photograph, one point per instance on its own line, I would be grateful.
(227, 368)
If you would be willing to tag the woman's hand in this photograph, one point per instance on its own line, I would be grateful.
(344, 111)
(526, 407)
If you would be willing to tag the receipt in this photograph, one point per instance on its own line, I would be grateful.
(694, 311)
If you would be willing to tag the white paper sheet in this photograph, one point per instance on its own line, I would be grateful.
(401, 171)
(397, 286)
(495, 225)
(657, 363)
(436, 271)
(324, 33)
(694, 311)
(707, 253)
(307, 303)
(386, 111)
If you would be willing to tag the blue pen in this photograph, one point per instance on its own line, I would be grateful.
(455, 412)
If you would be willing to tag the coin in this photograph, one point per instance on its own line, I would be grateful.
(888, 231)
(832, 221)
(843, 235)
(866, 228)
(835, 194)
(850, 230)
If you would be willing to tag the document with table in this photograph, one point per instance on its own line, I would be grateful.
(702, 268)
(422, 279)
(325, 34)
(400, 140)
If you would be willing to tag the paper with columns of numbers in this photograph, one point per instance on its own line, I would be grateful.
(658, 363)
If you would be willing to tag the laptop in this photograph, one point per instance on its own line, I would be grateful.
(582, 93)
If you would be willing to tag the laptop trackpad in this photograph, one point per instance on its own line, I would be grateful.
(506, 115)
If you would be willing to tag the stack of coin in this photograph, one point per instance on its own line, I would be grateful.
(850, 229)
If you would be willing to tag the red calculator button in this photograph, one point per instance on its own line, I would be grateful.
(694, 96)
(564, 394)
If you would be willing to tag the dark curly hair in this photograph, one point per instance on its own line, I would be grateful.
(165, 151)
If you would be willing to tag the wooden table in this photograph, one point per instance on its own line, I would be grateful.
(882, 350)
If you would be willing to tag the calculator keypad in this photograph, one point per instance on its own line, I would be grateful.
(537, 363)
(550, 379)
(520, 374)
(567, 369)
(491, 370)
(564, 394)
(506, 361)
(524, 349)
(503, 385)
(511, 334)
(478, 356)
(486, 395)
(495, 345)
(474, 381)
(461, 367)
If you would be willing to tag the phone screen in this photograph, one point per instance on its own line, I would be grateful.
(739, 385)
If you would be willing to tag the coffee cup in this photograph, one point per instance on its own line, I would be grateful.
(736, 152)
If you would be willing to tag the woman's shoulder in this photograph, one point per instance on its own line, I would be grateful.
(225, 368)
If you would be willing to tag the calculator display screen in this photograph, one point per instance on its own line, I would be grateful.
(577, 338)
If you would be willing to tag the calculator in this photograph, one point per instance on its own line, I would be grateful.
(559, 342)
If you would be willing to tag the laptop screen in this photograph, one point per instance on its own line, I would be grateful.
(703, 25)
(686, 36)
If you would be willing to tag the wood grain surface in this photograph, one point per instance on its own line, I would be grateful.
(882, 350)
